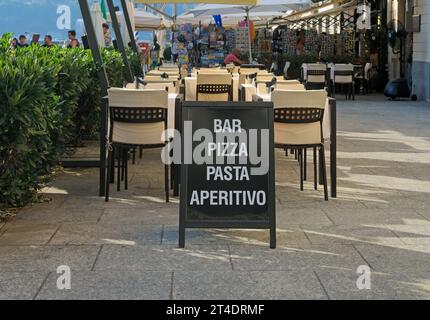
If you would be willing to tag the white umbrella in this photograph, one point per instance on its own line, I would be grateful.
(96, 15)
(145, 20)
(227, 20)
(280, 6)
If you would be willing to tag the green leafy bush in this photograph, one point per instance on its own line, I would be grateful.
(49, 99)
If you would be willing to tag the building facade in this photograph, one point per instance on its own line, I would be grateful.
(421, 51)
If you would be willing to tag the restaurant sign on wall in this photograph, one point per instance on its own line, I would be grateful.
(227, 172)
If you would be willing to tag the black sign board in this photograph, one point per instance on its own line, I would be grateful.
(227, 169)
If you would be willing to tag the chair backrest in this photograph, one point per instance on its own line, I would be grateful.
(289, 86)
(137, 117)
(367, 69)
(170, 73)
(282, 80)
(343, 73)
(261, 81)
(244, 74)
(214, 87)
(156, 85)
(298, 116)
(212, 71)
(316, 73)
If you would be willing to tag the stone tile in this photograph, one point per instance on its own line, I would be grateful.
(255, 258)
(58, 215)
(152, 215)
(368, 216)
(285, 236)
(246, 285)
(287, 216)
(351, 234)
(110, 285)
(412, 232)
(20, 285)
(204, 236)
(28, 234)
(402, 260)
(97, 234)
(424, 213)
(341, 284)
(164, 258)
(46, 258)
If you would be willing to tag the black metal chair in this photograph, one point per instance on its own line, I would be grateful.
(344, 75)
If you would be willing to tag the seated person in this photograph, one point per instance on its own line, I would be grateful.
(233, 58)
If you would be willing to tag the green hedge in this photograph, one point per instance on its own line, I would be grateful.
(49, 100)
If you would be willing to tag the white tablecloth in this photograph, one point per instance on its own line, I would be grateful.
(191, 88)
(326, 120)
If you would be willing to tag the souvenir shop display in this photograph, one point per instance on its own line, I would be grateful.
(263, 41)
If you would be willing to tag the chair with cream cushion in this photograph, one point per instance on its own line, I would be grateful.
(169, 86)
(344, 75)
(138, 119)
(298, 125)
(171, 68)
(164, 74)
(316, 75)
(214, 87)
(289, 86)
(261, 81)
(244, 74)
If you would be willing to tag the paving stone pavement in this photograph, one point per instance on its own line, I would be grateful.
(127, 248)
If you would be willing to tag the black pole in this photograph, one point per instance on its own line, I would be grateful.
(129, 26)
(119, 40)
(104, 86)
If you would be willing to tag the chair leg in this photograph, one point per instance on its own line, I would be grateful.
(126, 169)
(112, 166)
(166, 181)
(118, 176)
(315, 169)
(140, 153)
(286, 152)
(324, 172)
(300, 156)
(134, 156)
(123, 164)
(172, 178)
(320, 176)
(353, 91)
(305, 164)
(108, 175)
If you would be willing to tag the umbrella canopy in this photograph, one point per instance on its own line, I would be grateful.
(227, 20)
(145, 20)
(96, 15)
(261, 6)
